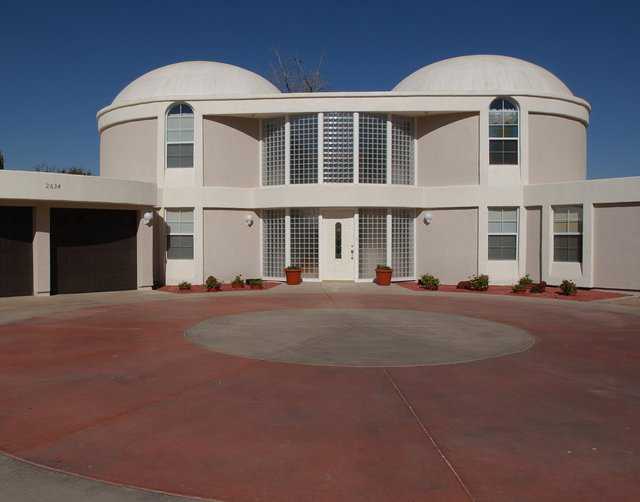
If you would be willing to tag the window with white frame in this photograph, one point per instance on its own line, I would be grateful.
(304, 241)
(503, 233)
(273, 243)
(180, 238)
(372, 241)
(179, 136)
(273, 165)
(567, 234)
(303, 161)
(402, 226)
(402, 155)
(372, 148)
(338, 147)
(503, 132)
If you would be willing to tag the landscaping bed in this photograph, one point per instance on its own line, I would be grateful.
(201, 288)
(583, 295)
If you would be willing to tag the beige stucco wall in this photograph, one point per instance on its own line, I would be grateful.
(128, 151)
(231, 247)
(448, 149)
(230, 149)
(533, 236)
(616, 243)
(448, 247)
(557, 149)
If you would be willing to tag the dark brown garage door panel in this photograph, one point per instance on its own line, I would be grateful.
(16, 251)
(93, 250)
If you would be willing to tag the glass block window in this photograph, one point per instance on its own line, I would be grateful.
(303, 162)
(402, 225)
(273, 151)
(338, 147)
(503, 132)
(567, 234)
(402, 165)
(373, 148)
(304, 241)
(273, 245)
(503, 233)
(372, 241)
(180, 136)
(180, 235)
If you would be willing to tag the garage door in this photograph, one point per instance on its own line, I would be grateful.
(93, 250)
(16, 251)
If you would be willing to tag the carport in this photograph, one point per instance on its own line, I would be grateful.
(16, 251)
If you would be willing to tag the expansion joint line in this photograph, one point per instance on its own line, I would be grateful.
(426, 432)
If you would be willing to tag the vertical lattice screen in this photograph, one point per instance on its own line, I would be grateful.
(304, 241)
(273, 246)
(304, 149)
(273, 151)
(372, 241)
(373, 148)
(402, 165)
(338, 147)
(402, 221)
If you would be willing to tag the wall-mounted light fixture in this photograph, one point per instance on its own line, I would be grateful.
(428, 218)
(147, 217)
(249, 220)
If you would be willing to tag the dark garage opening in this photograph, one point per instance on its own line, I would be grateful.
(93, 250)
(16, 251)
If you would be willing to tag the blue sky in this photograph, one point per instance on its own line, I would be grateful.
(62, 61)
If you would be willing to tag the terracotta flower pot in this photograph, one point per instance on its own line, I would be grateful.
(383, 276)
(294, 276)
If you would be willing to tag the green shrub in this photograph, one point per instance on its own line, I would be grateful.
(568, 288)
(212, 283)
(479, 282)
(526, 281)
(184, 285)
(519, 288)
(428, 281)
(237, 281)
(464, 285)
(539, 287)
(254, 283)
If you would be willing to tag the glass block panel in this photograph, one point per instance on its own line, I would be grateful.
(372, 241)
(373, 148)
(402, 157)
(338, 147)
(273, 154)
(402, 227)
(273, 243)
(304, 241)
(303, 162)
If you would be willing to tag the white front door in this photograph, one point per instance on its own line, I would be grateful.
(338, 245)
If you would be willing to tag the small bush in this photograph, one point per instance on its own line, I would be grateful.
(539, 287)
(526, 281)
(184, 286)
(254, 283)
(519, 288)
(428, 281)
(463, 285)
(479, 282)
(568, 288)
(212, 283)
(238, 282)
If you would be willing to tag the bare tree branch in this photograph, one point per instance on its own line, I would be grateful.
(289, 74)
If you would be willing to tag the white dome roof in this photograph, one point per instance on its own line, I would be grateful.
(191, 79)
(484, 73)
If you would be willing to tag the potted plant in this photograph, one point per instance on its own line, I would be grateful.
(237, 283)
(254, 283)
(212, 284)
(184, 286)
(428, 281)
(293, 275)
(383, 275)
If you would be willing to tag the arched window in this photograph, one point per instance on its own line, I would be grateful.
(180, 136)
(503, 132)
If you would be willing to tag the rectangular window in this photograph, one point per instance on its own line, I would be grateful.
(273, 151)
(402, 165)
(304, 241)
(273, 243)
(567, 234)
(372, 241)
(338, 147)
(503, 151)
(180, 155)
(372, 148)
(180, 238)
(303, 162)
(402, 224)
(503, 233)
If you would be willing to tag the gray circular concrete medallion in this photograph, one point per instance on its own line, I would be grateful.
(359, 337)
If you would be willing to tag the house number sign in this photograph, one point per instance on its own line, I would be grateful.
(53, 186)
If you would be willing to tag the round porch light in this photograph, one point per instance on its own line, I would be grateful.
(428, 218)
(147, 217)
(249, 220)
